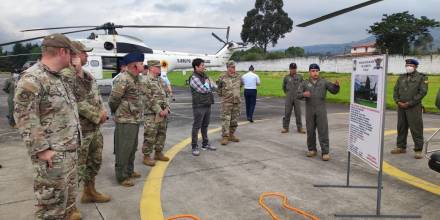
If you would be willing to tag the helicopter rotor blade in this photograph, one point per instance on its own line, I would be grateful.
(227, 34)
(218, 38)
(55, 28)
(168, 26)
(40, 37)
(336, 13)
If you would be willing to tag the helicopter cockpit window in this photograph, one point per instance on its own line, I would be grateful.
(109, 63)
(129, 48)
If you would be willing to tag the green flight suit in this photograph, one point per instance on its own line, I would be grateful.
(411, 88)
(290, 88)
(316, 111)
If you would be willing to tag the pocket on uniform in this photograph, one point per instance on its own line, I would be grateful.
(57, 170)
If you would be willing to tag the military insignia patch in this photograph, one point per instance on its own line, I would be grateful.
(426, 81)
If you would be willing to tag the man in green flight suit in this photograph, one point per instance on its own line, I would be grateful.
(126, 106)
(409, 91)
(290, 88)
(314, 92)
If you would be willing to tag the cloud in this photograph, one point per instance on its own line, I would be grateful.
(345, 28)
(171, 7)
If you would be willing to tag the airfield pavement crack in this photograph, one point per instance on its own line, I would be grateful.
(14, 202)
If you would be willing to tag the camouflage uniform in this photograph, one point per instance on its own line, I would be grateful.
(126, 106)
(90, 105)
(411, 88)
(47, 117)
(9, 88)
(229, 90)
(155, 127)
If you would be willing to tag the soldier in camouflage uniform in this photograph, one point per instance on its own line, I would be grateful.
(9, 88)
(126, 106)
(229, 85)
(47, 118)
(290, 88)
(92, 114)
(314, 92)
(156, 110)
(409, 91)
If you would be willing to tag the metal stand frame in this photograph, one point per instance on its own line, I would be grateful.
(379, 176)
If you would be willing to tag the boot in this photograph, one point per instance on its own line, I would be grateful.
(159, 156)
(99, 197)
(127, 182)
(311, 153)
(284, 130)
(233, 138)
(149, 161)
(418, 155)
(398, 150)
(75, 214)
(135, 175)
(325, 157)
(301, 131)
(225, 141)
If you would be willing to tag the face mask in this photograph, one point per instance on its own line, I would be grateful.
(409, 69)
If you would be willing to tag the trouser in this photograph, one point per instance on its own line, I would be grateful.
(317, 119)
(230, 115)
(410, 118)
(55, 188)
(292, 102)
(155, 134)
(201, 122)
(250, 96)
(10, 115)
(90, 155)
(126, 141)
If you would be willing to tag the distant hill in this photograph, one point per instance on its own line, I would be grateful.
(334, 49)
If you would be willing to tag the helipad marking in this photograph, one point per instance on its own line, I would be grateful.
(151, 207)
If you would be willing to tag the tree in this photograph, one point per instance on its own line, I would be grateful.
(397, 32)
(294, 52)
(266, 23)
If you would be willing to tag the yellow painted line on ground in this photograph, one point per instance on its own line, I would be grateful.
(150, 204)
(408, 178)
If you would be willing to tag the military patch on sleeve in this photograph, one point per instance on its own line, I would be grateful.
(426, 81)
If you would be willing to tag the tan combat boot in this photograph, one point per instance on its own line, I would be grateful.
(127, 182)
(87, 194)
(75, 214)
(418, 155)
(301, 131)
(311, 153)
(284, 130)
(135, 175)
(325, 157)
(99, 197)
(233, 138)
(149, 161)
(225, 141)
(160, 156)
(398, 150)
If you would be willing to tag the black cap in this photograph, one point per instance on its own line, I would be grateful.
(412, 61)
(251, 68)
(292, 66)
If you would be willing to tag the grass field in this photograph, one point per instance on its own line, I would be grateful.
(271, 86)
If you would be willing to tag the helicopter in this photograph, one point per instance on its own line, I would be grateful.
(110, 47)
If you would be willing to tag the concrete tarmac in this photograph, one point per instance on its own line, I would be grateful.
(226, 184)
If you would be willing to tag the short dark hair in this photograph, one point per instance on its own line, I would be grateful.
(197, 62)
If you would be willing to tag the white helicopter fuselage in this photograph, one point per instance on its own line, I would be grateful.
(109, 49)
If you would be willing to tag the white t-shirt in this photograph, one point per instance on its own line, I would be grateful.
(250, 80)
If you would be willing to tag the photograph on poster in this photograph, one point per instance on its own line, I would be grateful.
(365, 90)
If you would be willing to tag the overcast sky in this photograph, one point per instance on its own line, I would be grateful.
(345, 28)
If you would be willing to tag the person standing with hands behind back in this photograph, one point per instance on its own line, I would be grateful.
(314, 92)
(250, 81)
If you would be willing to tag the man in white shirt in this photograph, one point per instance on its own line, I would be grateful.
(250, 80)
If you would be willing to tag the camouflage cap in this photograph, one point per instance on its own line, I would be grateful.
(230, 63)
(58, 41)
(81, 47)
(154, 63)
